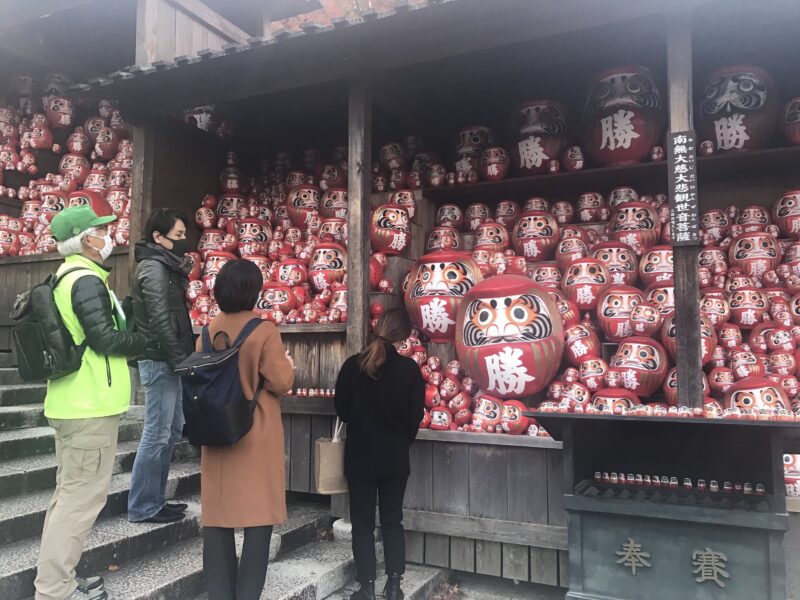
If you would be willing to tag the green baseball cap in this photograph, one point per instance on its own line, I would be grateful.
(74, 220)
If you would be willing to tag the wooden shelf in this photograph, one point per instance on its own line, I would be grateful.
(300, 328)
(643, 176)
(487, 439)
(554, 186)
(50, 256)
(307, 405)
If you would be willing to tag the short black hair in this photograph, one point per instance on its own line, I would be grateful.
(162, 220)
(238, 285)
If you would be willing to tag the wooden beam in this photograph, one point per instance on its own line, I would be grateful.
(208, 16)
(146, 42)
(359, 211)
(687, 319)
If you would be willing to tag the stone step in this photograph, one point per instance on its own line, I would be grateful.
(8, 359)
(35, 441)
(22, 393)
(23, 516)
(112, 541)
(9, 376)
(419, 582)
(33, 473)
(472, 586)
(295, 559)
(19, 417)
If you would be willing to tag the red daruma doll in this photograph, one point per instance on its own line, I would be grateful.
(509, 336)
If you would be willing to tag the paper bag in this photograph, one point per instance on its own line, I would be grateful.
(329, 463)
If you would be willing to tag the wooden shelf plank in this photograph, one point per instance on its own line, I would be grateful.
(49, 257)
(307, 405)
(487, 439)
(301, 328)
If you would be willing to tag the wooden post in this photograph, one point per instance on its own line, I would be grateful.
(687, 315)
(141, 183)
(359, 209)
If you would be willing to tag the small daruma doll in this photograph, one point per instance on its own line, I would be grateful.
(439, 282)
(488, 413)
(614, 310)
(514, 422)
(585, 281)
(535, 235)
(754, 253)
(389, 231)
(645, 319)
(328, 265)
(635, 224)
(786, 214)
(656, 265)
(509, 336)
(756, 393)
(619, 259)
(254, 237)
(748, 306)
(642, 365)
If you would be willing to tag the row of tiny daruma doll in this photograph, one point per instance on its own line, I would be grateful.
(94, 168)
(750, 305)
(622, 123)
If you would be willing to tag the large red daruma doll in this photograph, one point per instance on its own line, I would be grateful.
(439, 282)
(614, 310)
(623, 116)
(786, 214)
(754, 253)
(509, 336)
(535, 235)
(539, 133)
(642, 365)
(389, 231)
(738, 109)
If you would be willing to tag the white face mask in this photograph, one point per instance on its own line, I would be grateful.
(108, 246)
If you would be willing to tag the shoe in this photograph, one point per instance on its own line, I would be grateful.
(392, 589)
(96, 594)
(177, 506)
(366, 591)
(165, 515)
(86, 584)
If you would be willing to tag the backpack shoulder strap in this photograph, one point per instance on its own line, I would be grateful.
(206, 340)
(58, 277)
(249, 328)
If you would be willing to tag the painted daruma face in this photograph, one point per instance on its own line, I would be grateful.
(656, 266)
(477, 213)
(535, 235)
(738, 108)
(443, 238)
(302, 202)
(389, 230)
(491, 237)
(620, 261)
(328, 265)
(509, 336)
(438, 284)
(642, 365)
(756, 393)
(645, 319)
(585, 281)
(635, 224)
(748, 306)
(754, 253)
(614, 310)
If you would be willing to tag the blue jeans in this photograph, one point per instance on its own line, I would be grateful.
(163, 427)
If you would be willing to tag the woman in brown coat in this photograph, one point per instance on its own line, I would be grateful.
(243, 485)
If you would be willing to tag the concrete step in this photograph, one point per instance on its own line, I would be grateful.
(22, 393)
(484, 587)
(177, 571)
(35, 473)
(419, 582)
(9, 376)
(8, 359)
(35, 441)
(112, 541)
(23, 516)
(19, 417)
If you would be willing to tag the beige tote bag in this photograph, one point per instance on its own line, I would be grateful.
(329, 463)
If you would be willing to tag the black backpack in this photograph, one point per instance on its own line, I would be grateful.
(214, 405)
(45, 348)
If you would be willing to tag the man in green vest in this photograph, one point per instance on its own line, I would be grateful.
(84, 407)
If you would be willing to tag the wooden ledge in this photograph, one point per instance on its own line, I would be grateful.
(488, 439)
(50, 257)
(299, 328)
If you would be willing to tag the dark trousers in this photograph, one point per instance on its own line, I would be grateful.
(225, 578)
(389, 492)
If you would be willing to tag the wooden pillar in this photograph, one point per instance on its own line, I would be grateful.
(687, 296)
(143, 138)
(358, 214)
(146, 28)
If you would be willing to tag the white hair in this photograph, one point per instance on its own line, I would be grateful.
(74, 245)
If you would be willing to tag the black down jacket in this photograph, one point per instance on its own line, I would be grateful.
(159, 304)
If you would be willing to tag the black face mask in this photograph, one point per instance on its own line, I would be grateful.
(179, 247)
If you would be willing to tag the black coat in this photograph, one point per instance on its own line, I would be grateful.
(159, 303)
(382, 415)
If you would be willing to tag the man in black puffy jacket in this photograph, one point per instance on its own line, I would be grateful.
(159, 310)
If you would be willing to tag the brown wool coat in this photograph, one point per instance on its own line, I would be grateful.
(243, 485)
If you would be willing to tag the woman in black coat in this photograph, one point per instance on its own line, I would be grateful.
(381, 397)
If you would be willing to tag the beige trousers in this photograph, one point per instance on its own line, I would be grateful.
(85, 453)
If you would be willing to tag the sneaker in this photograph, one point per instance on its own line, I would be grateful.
(86, 584)
(96, 594)
(177, 506)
